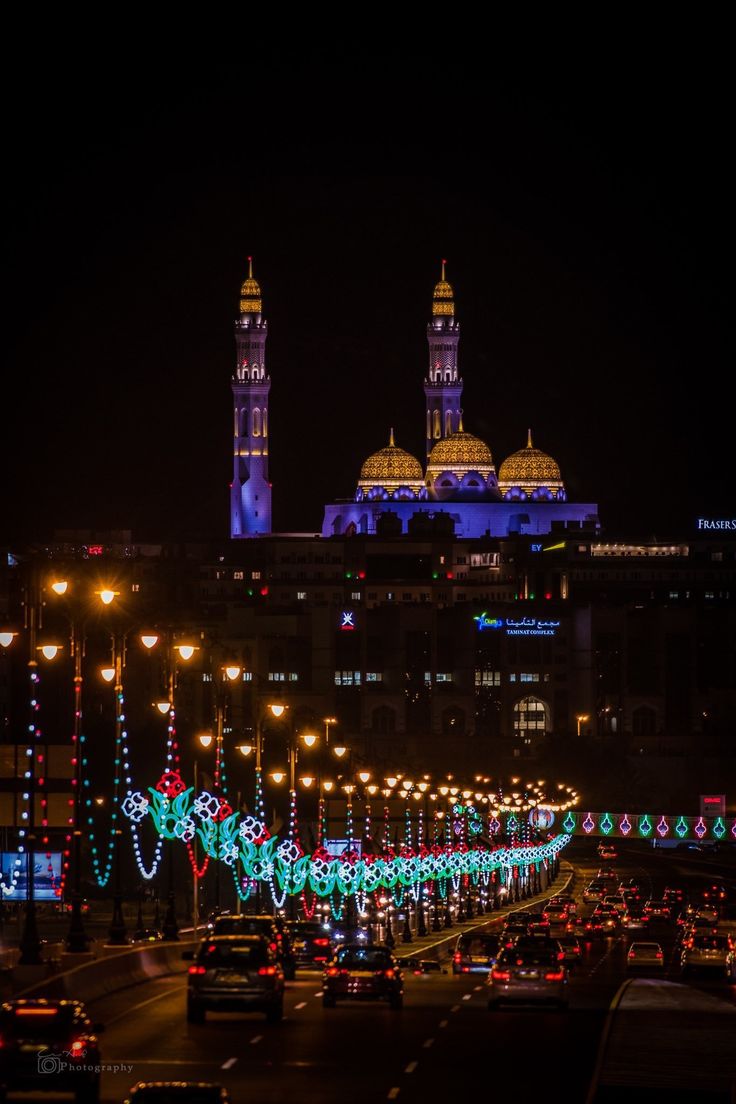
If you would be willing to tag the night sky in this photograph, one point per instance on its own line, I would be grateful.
(588, 233)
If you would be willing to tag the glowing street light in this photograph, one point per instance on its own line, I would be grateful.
(106, 595)
(233, 671)
(163, 706)
(7, 638)
(149, 640)
(205, 739)
(309, 739)
(581, 718)
(108, 673)
(60, 586)
(49, 651)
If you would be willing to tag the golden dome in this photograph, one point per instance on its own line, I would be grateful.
(460, 452)
(443, 296)
(391, 467)
(529, 467)
(250, 293)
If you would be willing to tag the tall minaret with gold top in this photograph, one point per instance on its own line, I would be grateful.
(443, 386)
(250, 490)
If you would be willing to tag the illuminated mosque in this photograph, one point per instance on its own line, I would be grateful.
(458, 492)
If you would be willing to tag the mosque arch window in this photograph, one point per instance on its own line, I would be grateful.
(265, 421)
(437, 425)
(383, 720)
(448, 423)
(256, 422)
(429, 423)
(644, 721)
(244, 422)
(531, 721)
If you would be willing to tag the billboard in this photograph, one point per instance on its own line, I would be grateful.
(338, 847)
(46, 875)
(713, 805)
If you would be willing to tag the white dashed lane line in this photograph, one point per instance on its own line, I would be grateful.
(455, 1008)
(444, 1023)
(393, 1093)
(319, 994)
(256, 1039)
(477, 989)
(467, 996)
(427, 1043)
(302, 1004)
(229, 1064)
(411, 1067)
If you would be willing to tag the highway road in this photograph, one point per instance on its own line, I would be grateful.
(443, 1045)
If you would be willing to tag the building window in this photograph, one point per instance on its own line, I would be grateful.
(527, 676)
(347, 678)
(718, 556)
(247, 676)
(276, 676)
(443, 676)
(301, 595)
(293, 676)
(710, 594)
(255, 574)
(674, 594)
(487, 678)
(237, 574)
(206, 677)
(406, 597)
(135, 587)
(390, 595)
(356, 596)
(374, 676)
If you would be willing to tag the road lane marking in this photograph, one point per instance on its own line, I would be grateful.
(256, 1039)
(427, 1043)
(455, 1008)
(302, 1004)
(477, 989)
(444, 1023)
(411, 1067)
(467, 996)
(142, 1004)
(229, 1064)
(393, 1093)
(320, 994)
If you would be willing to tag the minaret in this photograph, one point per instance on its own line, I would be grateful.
(250, 493)
(443, 386)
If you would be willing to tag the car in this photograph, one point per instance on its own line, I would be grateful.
(360, 972)
(608, 916)
(528, 976)
(537, 922)
(675, 896)
(572, 949)
(556, 915)
(709, 952)
(146, 935)
(235, 973)
(699, 925)
(538, 940)
(514, 926)
(617, 902)
(49, 1046)
(178, 1092)
(311, 942)
(657, 910)
(607, 852)
(422, 967)
(715, 893)
(708, 912)
(565, 899)
(644, 956)
(594, 891)
(607, 875)
(634, 919)
(475, 953)
(257, 924)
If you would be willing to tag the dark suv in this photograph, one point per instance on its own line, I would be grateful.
(49, 1046)
(238, 973)
(271, 927)
(475, 953)
(310, 942)
(358, 972)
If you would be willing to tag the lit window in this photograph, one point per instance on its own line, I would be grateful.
(512, 677)
(356, 596)
(487, 678)
(276, 676)
(347, 678)
(527, 676)
(293, 676)
(443, 676)
(255, 574)
(247, 676)
(237, 574)
(710, 594)
(301, 595)
(135, 587)
(374, 676)
(206, 677)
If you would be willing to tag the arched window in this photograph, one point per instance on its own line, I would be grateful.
(429, 423)
(383, 720)
(448, 375)
(237, 421)
(644, 721)
(256, 422)
(265, 422)
(531, 722)
(244, 422)
(448, 423)
(453, 721)
(437, 431)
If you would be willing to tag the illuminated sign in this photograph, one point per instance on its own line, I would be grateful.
(525, 626)
(46, 875)
(717, 523)
(713, 805)
(347, 620)
(535, 548)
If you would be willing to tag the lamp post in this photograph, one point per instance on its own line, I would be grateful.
(170, 928)
(117, 934)
(581, 718)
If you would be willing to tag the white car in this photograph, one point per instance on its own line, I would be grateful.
(709, 952)
(645, 956)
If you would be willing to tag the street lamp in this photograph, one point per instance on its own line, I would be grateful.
(581, 718)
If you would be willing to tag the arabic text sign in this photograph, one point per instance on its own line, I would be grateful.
(524, 626)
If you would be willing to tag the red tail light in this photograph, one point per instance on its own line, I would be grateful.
(273, 946)
(197, 969)
(386, 973)
(267, 971)
(554, 975)
(457, 957)
(78, 1049)
(501, 975)
(321, 942)
(335, 971)
(632, 954)
(659, 954)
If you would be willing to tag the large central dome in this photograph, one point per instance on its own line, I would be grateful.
(461, 452)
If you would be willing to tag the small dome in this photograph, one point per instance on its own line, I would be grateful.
(529, 466)
(460, 452)
(391, 467)
(250, 293)
(443, 296)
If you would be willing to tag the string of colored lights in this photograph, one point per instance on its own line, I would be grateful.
(647, 826)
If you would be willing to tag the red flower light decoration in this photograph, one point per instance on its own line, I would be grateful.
(170, 784)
